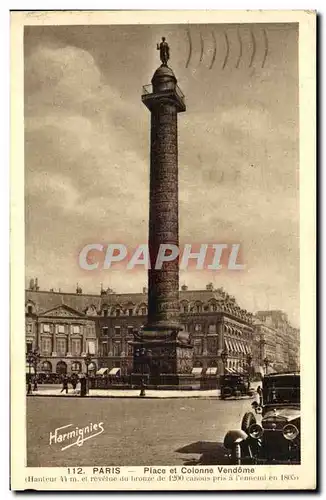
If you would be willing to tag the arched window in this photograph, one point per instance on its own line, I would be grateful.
(61, 368)
(30, 308)
(46, 367)
(76, 367)
(184, 306)
(92, 367)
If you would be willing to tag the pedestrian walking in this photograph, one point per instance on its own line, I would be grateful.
(64, 385)
(260, 395)
(29, 387)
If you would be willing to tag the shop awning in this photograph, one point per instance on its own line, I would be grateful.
(212, 370)
(229, 370)
(114, 371)
(102, 371)
(236, 347)
(227, 345)
(232, 345)
(197, 371)
(92, 366)
(30, 370)
(240, 369)
(239, 346)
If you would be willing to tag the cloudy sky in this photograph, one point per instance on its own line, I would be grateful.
(87, 153)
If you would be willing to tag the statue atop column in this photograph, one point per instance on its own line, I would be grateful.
(164, 49)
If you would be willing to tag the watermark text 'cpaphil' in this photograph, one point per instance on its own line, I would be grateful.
(212, 256)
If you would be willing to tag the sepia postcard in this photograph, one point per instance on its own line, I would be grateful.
(163, 332)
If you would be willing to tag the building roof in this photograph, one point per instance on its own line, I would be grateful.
(46, 300)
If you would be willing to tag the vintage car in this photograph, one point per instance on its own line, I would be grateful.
(235, 385)
(275, 438)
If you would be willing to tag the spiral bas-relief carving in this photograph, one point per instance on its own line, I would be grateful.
(163, 283)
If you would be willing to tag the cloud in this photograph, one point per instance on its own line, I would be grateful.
(87, 164)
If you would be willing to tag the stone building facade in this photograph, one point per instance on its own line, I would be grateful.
(279, 341)
(67, 326)
(103, 326)
(62, 335)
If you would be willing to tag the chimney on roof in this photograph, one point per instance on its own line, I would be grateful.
(36, 285)
(31, 284)
(79, 290)
(145, 290)
(184, 288)
(210, 287)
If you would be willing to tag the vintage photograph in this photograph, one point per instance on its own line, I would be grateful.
(185, 350)
(160, 299)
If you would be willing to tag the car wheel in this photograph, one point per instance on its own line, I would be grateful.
(248, 419)
(227, 392)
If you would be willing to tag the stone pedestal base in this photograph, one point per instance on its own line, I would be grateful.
(164, 362)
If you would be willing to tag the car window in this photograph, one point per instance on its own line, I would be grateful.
(281, 395)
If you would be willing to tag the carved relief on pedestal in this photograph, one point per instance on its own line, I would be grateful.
(184, 360)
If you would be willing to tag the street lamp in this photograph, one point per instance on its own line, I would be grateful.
(249, 361)
(88, 361)
(266, 363)
(33, 358)
(224, 357)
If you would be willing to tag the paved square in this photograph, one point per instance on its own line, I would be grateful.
(136, 431)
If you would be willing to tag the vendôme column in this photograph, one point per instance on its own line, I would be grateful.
(164, 348)
(164, 102)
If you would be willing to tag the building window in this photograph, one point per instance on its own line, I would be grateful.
(198, 347)
(29, 346)
(213, 307)
(185, 308)
(143, 311)
(130, 311)
(61, 328)
(116, 348)
(198, 327)
(104, 348)
(198, 308)
(212, 329)
(105, 331)
(61, 347)
(130, 350)
(117, 312)
(76, 329)
(61, 368)
(117, 331)
(46, 346)
(76, 347)
(91, 347)
(105, 312)
(212, 345)
(46, 328)
(29, 328)
(29, 309)
(130, 331)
